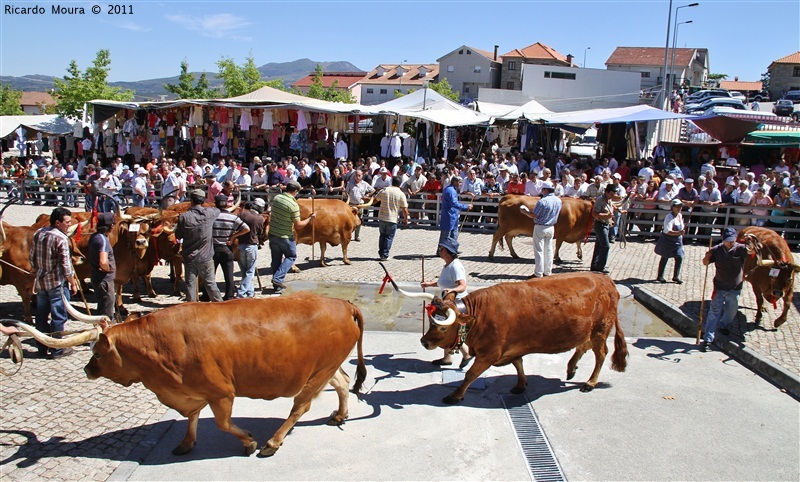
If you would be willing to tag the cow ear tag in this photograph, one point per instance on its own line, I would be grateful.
(774, 272)
(134, 228)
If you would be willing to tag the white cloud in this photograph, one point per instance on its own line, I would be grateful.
(134, 27)
(221, 25)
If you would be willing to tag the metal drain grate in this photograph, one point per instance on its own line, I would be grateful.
(542, 463)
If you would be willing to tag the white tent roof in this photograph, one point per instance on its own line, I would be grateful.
(270, 97)
(637, 113)
(430, 105)
(46, 124)
(512, 112)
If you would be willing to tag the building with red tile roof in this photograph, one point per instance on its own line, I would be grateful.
(380, 84)
(784, 75)
(34, 102)
(538, 54)
(690, 66)
(343, 81)
(468, 69)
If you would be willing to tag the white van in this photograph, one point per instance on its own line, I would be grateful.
(585, 145)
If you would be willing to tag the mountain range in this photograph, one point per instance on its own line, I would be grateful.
(151, 89)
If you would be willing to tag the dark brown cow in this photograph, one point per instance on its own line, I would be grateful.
(549, 315)
(771, 271)
(334, 224)
(16, 265)
(574, 222)
(192, 355)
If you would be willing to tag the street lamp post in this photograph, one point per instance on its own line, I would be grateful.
(584, 56)
(674, 43)
(663, 98)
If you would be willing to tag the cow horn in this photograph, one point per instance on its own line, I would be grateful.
(451, 318)
(120, 214)
(91, 334)
(366, 205)
(237, 203)
(767, 263)
(74, 228)
(426, 296)
(80, 316)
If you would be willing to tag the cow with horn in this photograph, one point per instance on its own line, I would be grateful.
(770, 270)
(257, 348)
(505, 322)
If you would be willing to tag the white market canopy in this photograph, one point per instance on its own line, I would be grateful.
(636, 113)
(46, 124)
(432, 106)
(511, 112)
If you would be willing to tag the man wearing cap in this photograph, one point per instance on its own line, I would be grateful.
(708, 200)
(194, 228)
(545, 216)
(451, 209)
(70, 183)
(139, 187)
(382, 180)
(284, 221)
(100, 254)
(603, 214)
(393, 201)
(225, 229)
(742, 197)
(728, 258)
(170, 190)
(249, 244)
(359, 192)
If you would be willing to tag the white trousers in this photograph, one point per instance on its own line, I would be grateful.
(543, 244)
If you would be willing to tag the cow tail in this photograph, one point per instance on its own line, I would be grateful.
(619, 359)
(361, 370)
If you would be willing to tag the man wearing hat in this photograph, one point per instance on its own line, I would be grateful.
(728, 258)
(194, 228)
(225, 229)
(171, 188)
(282, 246)
(249, 244)
(382, 180)
(214, 186)
(545, 216)
(139, 187)
(603, 214)
(100, 254)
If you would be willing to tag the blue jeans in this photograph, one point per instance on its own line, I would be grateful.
(601, 246)
(248, 254)
(722, 311)
(284, 254)
(49, 303)
(387, 231)
(451, 234)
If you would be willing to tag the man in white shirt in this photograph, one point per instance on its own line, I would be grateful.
(742, 197)
(171, 187)
(244, 178)
(646, 171)
(382, 180)
(576, 189)
(341, 150)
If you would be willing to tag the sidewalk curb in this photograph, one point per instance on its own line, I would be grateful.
(750, 358)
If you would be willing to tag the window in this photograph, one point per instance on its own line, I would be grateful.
(796, 72)
(512, 66)
(466, 89)
(477, 69)
(645, 75)
(370, 91)
(450, 68)
(469, 52)
(384, 91)
(559, 75)
(461, 52)
(510, 85)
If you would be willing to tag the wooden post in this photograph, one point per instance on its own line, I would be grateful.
(313, 237)
(703, 299)
(423, 301)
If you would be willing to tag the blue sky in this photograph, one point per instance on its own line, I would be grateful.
(743, 37)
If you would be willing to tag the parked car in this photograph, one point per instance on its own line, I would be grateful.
(793, 95)
(702, 95)
(783, 107)
(739, 96)
(585, 145)
(757, 96)
(714, 102)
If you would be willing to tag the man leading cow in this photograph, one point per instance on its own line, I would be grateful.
(544, 215)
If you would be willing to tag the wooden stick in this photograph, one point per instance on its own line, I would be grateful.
(703, 300)
(313, 237)
(83, 296)
(423, 301)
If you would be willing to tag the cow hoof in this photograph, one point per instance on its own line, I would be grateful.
(337, 421)
(518, 390)
(580, 256)
(557, 261)
(137, 299)
(294, 269)
(267, 451)
(587, 388)
(570, 376)
(451, 400)
(250, 448)
(181, 450)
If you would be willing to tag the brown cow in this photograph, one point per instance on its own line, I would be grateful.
(771, 271)
(549, 315)
(334, 224)
(15, 260)
(574, 222)
(192, 355)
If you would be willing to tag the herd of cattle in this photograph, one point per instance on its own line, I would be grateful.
(271, 347)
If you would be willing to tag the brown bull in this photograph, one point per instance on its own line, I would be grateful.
(574, 222)
(15, 264)
(192, 355)
(770, 271)
(549, 315)
(334, 224)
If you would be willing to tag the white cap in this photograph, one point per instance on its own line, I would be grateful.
(141, 171)
(617, 176)
(103, 173)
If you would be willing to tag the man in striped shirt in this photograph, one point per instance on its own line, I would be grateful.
(393, 200)
(225, 229)
(282, 246)
(51, 263)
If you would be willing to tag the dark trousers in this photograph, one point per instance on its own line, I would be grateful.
(224, 256)
(387, 231)
(106, 296)
(601, 246)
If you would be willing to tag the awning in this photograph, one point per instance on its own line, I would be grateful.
(775, 138)
(636, 113)
(46, 124)
(511, 112)
(432, 106)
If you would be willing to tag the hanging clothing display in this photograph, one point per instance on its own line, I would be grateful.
(245, 120)
(266, 123)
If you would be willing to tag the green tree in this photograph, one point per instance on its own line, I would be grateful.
(186, 88)
(332, 94)
(10, 100)
(443, 87)
(713, 79)
(239, 80)
(78, 87)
